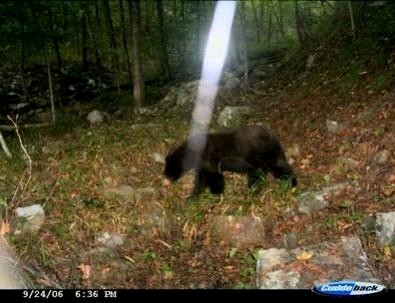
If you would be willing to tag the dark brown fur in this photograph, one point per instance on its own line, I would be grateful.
(250, 150)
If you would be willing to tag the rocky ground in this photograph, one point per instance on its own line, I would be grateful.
(102, 215)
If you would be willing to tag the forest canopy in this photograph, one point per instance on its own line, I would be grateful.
(170, 36)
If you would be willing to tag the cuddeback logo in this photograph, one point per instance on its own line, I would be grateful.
(348, 288)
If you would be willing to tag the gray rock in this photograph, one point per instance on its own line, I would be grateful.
(310, 202)
(293, 151)
(233, 116)
(289, 212)
(268, 258)
(30, 217)
(170, 97)
(259, 73)
(110, 240)
(119, 113)
(18, 106)
(225, 77)
(158, 158)
(152, 219)
(336, 188)
(127, 193)
(187, 93)
(382, 157)
(237, 232)
(145, 111)
(281, 279)
(11, 276)
(369, 224)
(287, 268)
(232, 84)
(385, 228)
(124, 192)
(310, 61)
(334, 126)
(290, 240)
(146, 193)
(350, 163)
(378, 3)
(95, 117)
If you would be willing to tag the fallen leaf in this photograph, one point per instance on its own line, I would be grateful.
(229, 268)
(304, 256)
(129, 259)
(5, 228)
(387, 252)
(343, 225)
(86, 271)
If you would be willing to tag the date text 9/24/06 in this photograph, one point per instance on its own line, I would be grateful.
(67, 293)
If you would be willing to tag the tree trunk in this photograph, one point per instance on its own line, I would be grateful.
(198, 24)
(262, 16)
(349, 3)
(269, 14)
(164, 59)
(301, 27)
(94, 33)
(256, 21)
(54, 38)
(113, 43)
(147, 17)
(175, 11)
(65, 14)
(22, 57)
(84, 40)
(138, 84)
(49, 72)
(98, 36)
(243, 23)
(182, 33)
(281, 19)
(125, 43)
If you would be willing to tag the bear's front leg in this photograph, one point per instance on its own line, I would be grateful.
(200, 184)
(215, 182)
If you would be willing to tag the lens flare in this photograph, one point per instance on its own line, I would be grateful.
(213, 63)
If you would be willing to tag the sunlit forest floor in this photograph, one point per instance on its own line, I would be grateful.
(75, 163)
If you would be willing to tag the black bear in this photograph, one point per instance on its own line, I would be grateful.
(250, 150)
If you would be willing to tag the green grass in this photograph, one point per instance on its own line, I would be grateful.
(383, 81)
(331, 221)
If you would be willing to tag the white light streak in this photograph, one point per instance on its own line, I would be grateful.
(213, 63)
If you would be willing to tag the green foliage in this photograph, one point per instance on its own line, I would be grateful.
(283, 188)
(28, 26)
(65, 123)
(111, 101)
(331, 222)
(383, 80)
(248, 269)
(148, 256)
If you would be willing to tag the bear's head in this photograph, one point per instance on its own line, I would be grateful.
(173, 167)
